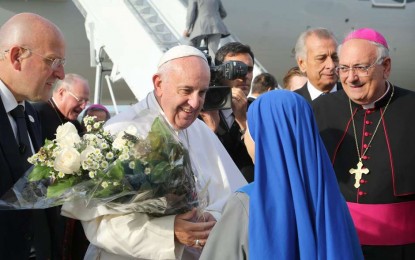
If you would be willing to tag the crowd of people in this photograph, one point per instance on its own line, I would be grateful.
(321, 170)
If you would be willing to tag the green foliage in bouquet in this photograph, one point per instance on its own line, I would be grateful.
(119, 169)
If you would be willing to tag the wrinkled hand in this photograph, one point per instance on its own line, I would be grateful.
(239, 106)
(186, 231)
(211, 119)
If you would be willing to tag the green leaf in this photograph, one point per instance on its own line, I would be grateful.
(59, 187)
(39, 173)
(116, 171)
(106, 192)
(160, 172)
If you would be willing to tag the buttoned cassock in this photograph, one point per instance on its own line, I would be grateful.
(383, 207)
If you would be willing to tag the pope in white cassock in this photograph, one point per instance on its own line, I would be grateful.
(180, 85)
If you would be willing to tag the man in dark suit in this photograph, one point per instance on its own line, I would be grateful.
(316, 55)
(31, 59)
(230, 124)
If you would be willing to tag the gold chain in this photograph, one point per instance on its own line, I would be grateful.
(376, 129)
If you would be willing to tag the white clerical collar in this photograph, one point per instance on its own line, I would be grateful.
(315, 93)
(372, 105)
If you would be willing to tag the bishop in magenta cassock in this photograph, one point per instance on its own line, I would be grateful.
(368, 130)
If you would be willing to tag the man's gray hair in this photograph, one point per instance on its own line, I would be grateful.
(300, 46)
(69, 80)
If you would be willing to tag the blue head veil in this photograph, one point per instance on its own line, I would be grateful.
(296, 208)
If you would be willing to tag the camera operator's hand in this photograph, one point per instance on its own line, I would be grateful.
(239, 106)
(211, 118)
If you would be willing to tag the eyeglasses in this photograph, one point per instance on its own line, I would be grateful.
(360, 70)
(54, 63)
(80, 101)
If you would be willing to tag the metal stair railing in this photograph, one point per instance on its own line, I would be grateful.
(152, 21)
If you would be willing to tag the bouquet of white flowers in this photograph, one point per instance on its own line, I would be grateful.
(126, 172)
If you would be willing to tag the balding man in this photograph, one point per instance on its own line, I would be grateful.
(180, 85)
(32, 55)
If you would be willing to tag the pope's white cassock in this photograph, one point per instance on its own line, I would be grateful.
(138, 235)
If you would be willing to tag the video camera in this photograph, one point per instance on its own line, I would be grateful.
(220, 97)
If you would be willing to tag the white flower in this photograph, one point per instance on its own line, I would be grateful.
(131, 165)
(119, 142)
(67, 161)
(104, 184)
(109, 156)
(61, 174)
(124, 157)
(92, 174)
(132, 130)
(67, 135)
(147, 171)
(104, 164)
(85, 153)
(91, 139)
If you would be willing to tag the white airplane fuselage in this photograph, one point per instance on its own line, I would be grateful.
(271, 28)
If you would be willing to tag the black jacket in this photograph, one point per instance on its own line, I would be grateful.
(20, 229)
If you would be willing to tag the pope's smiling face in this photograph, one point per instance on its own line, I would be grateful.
(180, 88)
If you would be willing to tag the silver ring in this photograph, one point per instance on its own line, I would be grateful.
(197, 243)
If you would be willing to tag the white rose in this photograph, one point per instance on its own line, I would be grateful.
(67, 135)
(67, 161)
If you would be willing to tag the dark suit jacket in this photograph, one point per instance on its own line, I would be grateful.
(250, 100)
(50, 119)
(303, 91)
(69, 241)
(20, 229)
(231, 140)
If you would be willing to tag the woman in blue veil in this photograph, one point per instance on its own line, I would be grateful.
(294, 208)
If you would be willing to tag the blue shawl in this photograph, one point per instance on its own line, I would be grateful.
(296, 208)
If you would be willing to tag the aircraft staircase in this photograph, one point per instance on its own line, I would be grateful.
(128, 38)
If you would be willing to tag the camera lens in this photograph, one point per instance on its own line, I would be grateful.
(217, 97)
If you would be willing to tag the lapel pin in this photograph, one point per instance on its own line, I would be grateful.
(31, 119)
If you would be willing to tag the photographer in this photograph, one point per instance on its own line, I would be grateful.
(230, 124)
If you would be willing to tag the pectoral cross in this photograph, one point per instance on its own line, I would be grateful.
(358, 173)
